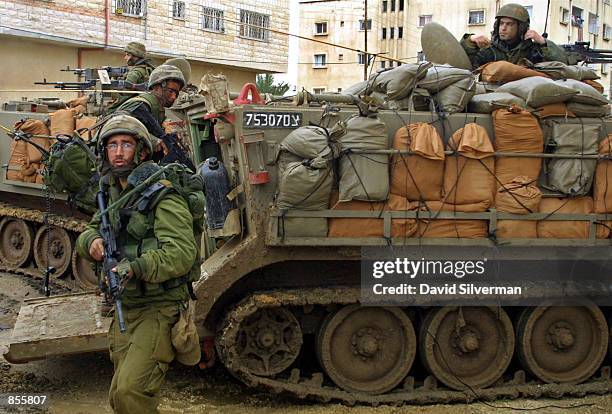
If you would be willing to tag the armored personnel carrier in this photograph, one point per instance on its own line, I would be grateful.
(280, 301)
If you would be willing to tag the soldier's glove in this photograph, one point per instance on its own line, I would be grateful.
(124, 270)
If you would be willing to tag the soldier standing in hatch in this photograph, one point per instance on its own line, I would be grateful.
(512, 41)
(139, 66)
(158, 249)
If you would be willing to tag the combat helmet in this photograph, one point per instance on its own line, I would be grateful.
(183, 65)
(136, 49)
(514, 11)
(121, 123)
(165, 73)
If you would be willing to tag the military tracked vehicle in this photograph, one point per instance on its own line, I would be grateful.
(284, 312)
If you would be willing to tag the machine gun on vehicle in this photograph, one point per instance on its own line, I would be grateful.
(582, 52)
(104, 78)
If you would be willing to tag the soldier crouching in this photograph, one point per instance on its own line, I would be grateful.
(158, 249)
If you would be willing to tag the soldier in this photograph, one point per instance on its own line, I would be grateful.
(139, 66)
(512, 41)
(158, 249)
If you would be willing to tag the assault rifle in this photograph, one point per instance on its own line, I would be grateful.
(97, 78)
(582, 52)
(176, 152)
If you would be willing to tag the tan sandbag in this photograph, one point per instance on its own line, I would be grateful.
(577, 229)
(85, 122)
(602, 184)
(81, 101)
(519, 196)
(63, 122)
(445, 228)
(598, 86)
(516, 130)
(469, 176)
(372, 227)
(503, 71)
(35, 127)
(18, 160)
(80, 110)
(418, 176)
(556, 109)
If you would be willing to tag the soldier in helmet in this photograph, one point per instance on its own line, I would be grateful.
(139, 66)
(155, 235)
(512, 41)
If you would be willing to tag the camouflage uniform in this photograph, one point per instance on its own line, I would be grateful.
(158, 244)
(140, 69)
(512, 52)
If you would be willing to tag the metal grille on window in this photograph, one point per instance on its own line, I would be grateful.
(476, 17)
(212, 19)
(178, 9)
(254, 25)
(130, 7)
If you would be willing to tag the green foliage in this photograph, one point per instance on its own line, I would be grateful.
(265, 84)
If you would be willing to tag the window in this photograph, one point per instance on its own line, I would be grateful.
(606, 1)
(134, 8)
(605, 68)
(384, 32)
(401, 5)
(178, 10)
(254, 25)
(577, 19)
(361, 58)
(420, 56)
(476, 17)
(607, 32)
(400, 32)
(318, 90)
(320, 60)
(392, 33)
(342, 23)
(424, 19)
(564, 16)
(339, 90)
(384, 6)
(530, 11)
(361, 25)
(340, 56)
(383, 64)
(392, 5)
(212, 19)
(321, 28)
(593, 24)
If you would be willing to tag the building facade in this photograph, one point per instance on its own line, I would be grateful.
(396, 32)
(40, 37)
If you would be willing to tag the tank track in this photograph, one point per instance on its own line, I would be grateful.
(426, 392)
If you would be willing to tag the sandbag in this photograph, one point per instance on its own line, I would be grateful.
(598, 86)
(454, 98)
(519, 196)
(439, 77)
(418, 176)
(445, 228)
(588, 111)
(17, 160)
(356, 89)
(557, 109)
(397, 83)
(85, 122)
(302, 227)
(372, 227)
(537, 91)
(602, 184)
(63, 122)
(517, 130)
(469, 176)
(573, 177)
(80, 101)
(502, 71)
(302, 187)
(488, 102)
(311, 142)
(559, 70)
(562, 229)
(35, 127)
(364, 176)
(485, 87)
(586, 93)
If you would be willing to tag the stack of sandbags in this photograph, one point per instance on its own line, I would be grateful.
(25, 161)
(396, 83)
(306, 177)
(455, 97)
(519, 196)
(419, 176)
(372, 227)
(485, 87)
(63, 122)
(572, 176)
(502, 71)
(589, 102)
(538, 91)
(518, 131)
(561, 229)
(79, 104)
(469, 175)
(439, 77)
(602, 185)
(451, 228)
(364, 177)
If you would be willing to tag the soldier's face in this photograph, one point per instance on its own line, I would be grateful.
(171, 92)
(120, 150)
(508, 29)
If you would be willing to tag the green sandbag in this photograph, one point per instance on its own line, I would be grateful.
(537, 91)
(454, 98)
(302, 227)
(586, 93)
(439, 77)
(301, 187)
(364, 176)
(486, 102)
(573, 177)
(559, 70)
(398, 82)
(310, 142)
(588, 111)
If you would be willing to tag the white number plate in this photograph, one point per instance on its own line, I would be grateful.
(272, 120)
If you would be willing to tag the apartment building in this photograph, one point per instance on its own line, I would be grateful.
(238, 38)
(394, 30)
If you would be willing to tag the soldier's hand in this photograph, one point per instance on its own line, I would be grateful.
(161, 146)
(535, 36)
(96, 249)
(480, 40)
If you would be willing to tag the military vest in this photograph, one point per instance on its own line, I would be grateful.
(152, 102)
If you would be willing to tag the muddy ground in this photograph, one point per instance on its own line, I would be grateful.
(78, 384)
